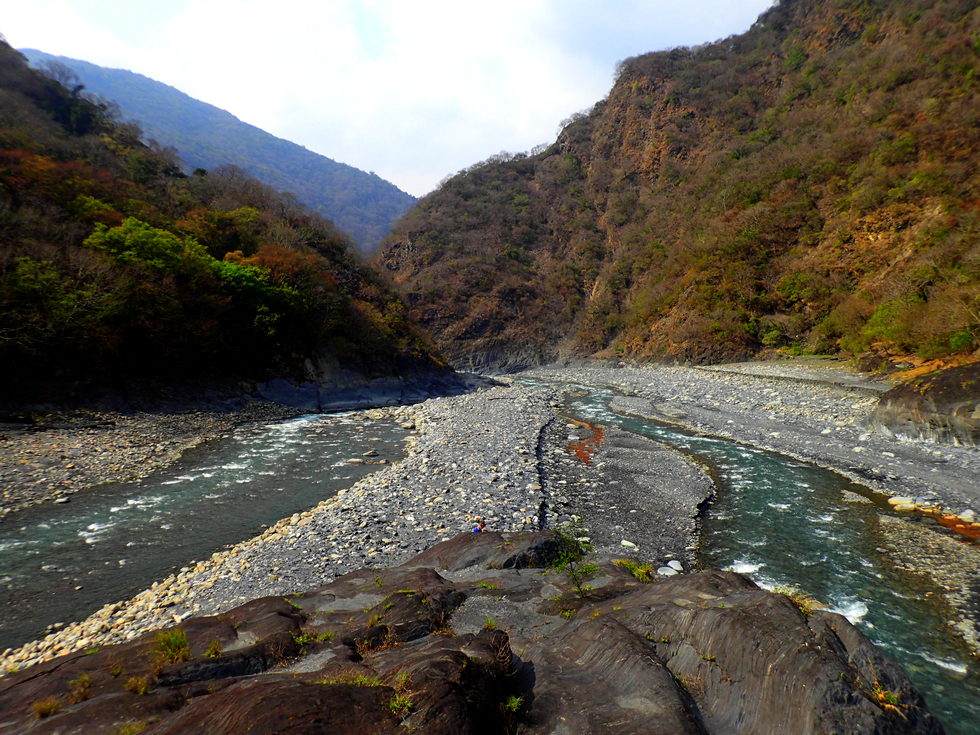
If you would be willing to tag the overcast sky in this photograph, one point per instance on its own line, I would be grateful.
(411, 89)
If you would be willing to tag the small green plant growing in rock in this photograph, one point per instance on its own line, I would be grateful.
(46, 707)
(490, 624)
(487, 586)
(214, 649)
(79, 688)
(692, 685)
(171, 646)
(572, 549)
(804, 602)
(567, 613)
(359, 680)
(400, 705)
(402, 681)
(513, 703)
(887, 699)
(378, 582)
(137, 685)
(326, 636)
(133, 727)
(642, 572)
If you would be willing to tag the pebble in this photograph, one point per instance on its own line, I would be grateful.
(464, 453)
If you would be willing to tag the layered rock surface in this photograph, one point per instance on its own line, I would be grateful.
(943, 406)
(477, 635)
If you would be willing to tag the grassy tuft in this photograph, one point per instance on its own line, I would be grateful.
(804, 602)
(171, 646)
(46, 707)
(643, 572)
(79, 688)
(138, 685)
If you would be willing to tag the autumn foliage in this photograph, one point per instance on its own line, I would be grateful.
(810, 185)
(115, 266)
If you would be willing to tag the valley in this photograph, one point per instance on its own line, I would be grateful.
(503, 454)
(670, 424)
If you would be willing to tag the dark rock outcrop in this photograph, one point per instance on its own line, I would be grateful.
(941, 406)
(476, 636)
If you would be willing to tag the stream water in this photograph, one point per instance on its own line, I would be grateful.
(60, 563)
(775, 519)
(785, 522)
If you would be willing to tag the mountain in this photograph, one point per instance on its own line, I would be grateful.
(116, 267)
(361, 204)
(809, 185)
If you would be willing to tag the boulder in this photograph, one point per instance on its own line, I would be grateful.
(941, 406)
(476, 636)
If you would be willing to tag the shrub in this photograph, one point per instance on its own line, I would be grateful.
(573, 547)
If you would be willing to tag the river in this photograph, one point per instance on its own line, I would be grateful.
(785, 522)
(60, 563)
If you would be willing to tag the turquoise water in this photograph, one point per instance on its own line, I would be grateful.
(781, 521)
(60, 563)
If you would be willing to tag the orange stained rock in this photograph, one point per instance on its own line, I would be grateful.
(585, 447)
(970, 530)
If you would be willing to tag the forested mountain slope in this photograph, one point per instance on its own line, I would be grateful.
(811, 184)
(361, 204)
(116, 267)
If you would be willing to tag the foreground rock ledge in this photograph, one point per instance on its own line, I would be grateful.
(476, 635)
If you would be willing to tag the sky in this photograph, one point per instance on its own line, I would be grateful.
(413, 90)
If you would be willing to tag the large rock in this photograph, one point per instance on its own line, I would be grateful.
(474, 636)
(941, 406)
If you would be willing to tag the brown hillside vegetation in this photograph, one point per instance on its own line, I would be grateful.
(114, 266)
(809, 185)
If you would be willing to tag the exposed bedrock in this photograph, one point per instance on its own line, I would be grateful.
(476, 635)
(942, 406)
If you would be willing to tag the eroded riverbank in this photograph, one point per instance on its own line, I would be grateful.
(62, 454)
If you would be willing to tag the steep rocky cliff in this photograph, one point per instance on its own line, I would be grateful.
(810, 184)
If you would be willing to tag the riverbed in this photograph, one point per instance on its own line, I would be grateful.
(485, 455)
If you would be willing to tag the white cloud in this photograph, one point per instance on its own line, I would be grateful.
(413, 90)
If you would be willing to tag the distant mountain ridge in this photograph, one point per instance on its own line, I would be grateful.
(361, 204)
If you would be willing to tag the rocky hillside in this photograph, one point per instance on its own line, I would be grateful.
(362, 204)
(117, 267)
(809, 185)
(486, 634)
